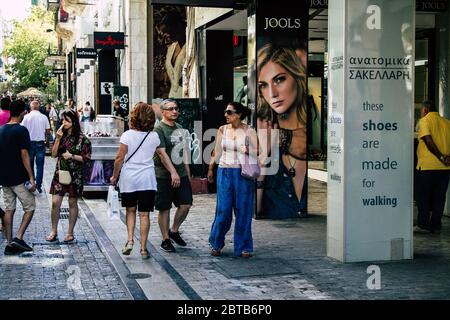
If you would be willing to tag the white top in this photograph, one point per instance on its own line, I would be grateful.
(53, 115)
(138, 174)
(231, 142)
(36, 123)
(86, 112)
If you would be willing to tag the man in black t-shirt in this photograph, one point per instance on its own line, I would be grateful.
(15, 171)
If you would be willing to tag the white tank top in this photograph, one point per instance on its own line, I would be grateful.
(230, 147)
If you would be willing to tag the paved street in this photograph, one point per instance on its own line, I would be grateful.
(289, 263)
(52, 271)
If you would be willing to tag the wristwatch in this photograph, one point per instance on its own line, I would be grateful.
(72, 156)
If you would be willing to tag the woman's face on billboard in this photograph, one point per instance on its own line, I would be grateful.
(277, 86)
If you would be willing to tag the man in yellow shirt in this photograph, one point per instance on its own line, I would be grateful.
(433, 164)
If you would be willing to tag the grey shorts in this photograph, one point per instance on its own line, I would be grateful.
(26, 198)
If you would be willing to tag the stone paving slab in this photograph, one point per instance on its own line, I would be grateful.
(289, 262)
(299, 245)
(57, 271)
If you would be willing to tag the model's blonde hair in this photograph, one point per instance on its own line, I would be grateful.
(288, 59)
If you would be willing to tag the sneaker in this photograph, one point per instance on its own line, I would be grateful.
(418, 229)
(20, 244)
(39, 189)
(11, 250)
(175, 236)
(167, 246)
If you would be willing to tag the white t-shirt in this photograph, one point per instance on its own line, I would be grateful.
(53, 115)
(36, 123)
(138, 174)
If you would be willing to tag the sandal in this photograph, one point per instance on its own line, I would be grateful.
(215, 253)
(69, 238)
(128, 247)
(246, 254)
(53, 237)
(145, 254)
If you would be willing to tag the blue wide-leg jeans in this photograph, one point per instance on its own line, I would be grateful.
(233, 192)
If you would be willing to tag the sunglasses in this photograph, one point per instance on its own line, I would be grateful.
(172, 109)
(230, 112)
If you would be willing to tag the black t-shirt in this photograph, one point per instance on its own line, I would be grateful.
(13, 138)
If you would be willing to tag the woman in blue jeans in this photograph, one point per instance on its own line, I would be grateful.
(234, 192)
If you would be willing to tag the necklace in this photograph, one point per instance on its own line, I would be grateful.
(291, 171)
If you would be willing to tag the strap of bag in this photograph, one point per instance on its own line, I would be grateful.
(137, 147)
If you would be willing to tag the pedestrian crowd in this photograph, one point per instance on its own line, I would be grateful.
(151, 170)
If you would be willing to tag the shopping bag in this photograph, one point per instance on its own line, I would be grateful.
(113, 210)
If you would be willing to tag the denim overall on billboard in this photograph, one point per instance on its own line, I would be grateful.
(233, 192)
(279, 198)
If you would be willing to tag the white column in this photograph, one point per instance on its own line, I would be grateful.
(137, 51)
(370, 130)
(445, 106)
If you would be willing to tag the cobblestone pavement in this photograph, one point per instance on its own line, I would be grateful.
(52, 271)
(289, 262)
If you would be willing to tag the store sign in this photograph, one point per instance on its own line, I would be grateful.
(86, 53)
(432, 5)
(370, 136)
(59, 71)
(109, 40)
(106, 88)
(421, 5)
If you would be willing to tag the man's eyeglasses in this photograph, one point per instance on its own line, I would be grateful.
(230, 112)
(172, 109)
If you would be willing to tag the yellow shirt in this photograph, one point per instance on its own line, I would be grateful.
(439, 129)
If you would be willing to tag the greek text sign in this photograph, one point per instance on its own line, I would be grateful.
(370, 130)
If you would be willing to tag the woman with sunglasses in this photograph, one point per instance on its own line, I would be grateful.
(72, 149)
(234, 192)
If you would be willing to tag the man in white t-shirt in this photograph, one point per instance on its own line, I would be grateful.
(38, 126)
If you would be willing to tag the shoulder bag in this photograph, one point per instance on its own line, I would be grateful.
(64, 176)
(249, 165)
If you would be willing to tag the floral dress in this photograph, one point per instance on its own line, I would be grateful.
(76, 168)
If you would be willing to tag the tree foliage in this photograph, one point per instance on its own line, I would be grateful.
(27, 48)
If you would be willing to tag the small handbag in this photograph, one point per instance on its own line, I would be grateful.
(64, 176)
(249, 165)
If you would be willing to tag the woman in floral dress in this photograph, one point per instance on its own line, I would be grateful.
(72, 149)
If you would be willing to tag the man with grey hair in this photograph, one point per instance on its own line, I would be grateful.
(38, 126)
(172, 175)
